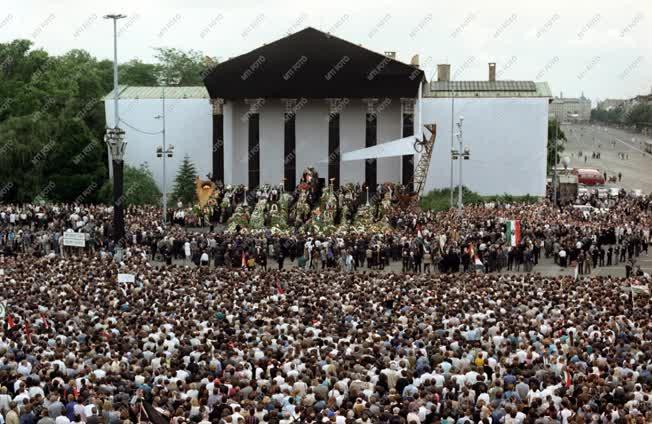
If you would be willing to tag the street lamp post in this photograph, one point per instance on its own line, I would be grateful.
(462, 153)
(452, 146)
(554, 166)
(164, 152)
(114, 139)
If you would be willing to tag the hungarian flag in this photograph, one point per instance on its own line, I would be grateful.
(513, 232)
(279, 289)
(244, 260)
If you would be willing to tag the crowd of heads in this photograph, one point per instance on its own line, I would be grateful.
(446, 240)
(97, 334)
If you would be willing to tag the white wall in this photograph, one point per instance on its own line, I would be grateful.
(389, 129)
(311, 139)
(229, 137)
(352, 137)
(272, 137)
(239, 157)
(188, 129)
(507, 138)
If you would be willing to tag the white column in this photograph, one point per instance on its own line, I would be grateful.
(228, 109)
(418, 130)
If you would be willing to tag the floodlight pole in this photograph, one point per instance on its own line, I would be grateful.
(116, 145)
(116, 115)
(460, 204)
(452, 148)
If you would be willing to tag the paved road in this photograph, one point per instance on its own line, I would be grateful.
(545, 267)
(636, 171)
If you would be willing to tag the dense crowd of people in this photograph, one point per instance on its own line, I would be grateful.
(416, 242)
(99, 334)
(186, 344)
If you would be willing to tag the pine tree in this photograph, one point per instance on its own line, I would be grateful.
(184, 182)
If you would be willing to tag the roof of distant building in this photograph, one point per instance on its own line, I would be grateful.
(136, 92)
(570, 100)
(487, 89)
(312, 64)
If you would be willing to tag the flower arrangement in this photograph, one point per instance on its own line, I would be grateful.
(257, 220)
(279, 214)
(240, 217)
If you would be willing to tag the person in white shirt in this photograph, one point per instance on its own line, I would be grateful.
(5, 400)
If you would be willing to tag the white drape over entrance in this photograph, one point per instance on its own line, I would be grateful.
(400, 147)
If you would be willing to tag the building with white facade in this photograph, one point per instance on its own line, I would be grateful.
(306, 99)
(571, 109)
(505, 127)
(609, 104)
(187, 124)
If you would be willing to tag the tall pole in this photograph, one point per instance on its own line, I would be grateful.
(118, 202)
(115, 141)
(115, 70)
(554, 168)
(460, 159)
(452, 131)
(116, 116)
(165, 178)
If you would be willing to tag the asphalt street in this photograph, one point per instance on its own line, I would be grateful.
(636, 170)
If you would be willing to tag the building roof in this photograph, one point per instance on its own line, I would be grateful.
(312, 64)
(488, 89)
(570, 100)
(133, 92)
(482, 86)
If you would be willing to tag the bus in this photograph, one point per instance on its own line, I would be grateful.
(590, 177)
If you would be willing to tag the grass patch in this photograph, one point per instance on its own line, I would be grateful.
(439, 200)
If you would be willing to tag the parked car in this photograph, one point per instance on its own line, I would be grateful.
(637, 192)
(603, 193)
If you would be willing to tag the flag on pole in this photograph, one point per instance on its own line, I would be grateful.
(279, 289)
(244, 260)
(513, 232)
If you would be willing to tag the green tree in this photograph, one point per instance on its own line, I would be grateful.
(51, 115)
(181, 67)
(639, 114)
(612, 116)
(552, 139)
(136, 72)
(184, 182)
(139, 188)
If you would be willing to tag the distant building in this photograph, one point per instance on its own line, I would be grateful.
(645, 99)
(187, 127)
(305, 99)
(505, 126)
(609, 104)
(571, 109)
